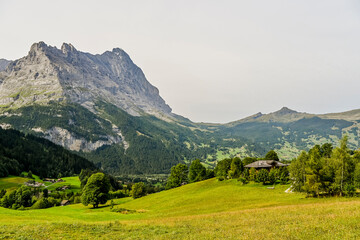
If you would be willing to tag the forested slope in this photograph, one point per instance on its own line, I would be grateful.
(20, 152)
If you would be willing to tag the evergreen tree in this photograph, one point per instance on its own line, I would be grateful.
(343, 164)
(263, 176)
(314, 165)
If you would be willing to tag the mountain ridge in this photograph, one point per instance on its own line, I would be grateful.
(103, 107)
(66, 74)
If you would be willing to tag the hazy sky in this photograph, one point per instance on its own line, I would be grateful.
(213, 61)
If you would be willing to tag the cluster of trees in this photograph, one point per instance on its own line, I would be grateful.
(36, 198)
(234, 169)
(20, 152)
(229, 168)
(182, 174)
(325, 170)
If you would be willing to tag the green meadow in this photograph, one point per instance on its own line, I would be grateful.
(12, 182)
(203, 210)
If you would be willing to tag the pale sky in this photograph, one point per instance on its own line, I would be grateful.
(213, 61)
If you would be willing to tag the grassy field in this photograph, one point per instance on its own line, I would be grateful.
(73, 182)
(12, 182)
(204, 210)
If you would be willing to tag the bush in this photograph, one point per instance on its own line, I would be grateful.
(242, 180)
(40, 204)
(349, 190)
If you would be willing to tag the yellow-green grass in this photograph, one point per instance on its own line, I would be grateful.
(12, 182)
(205, 210)
(73, 182)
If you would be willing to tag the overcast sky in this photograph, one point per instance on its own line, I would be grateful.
(213, 61)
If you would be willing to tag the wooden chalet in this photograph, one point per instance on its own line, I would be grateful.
(266, 164)
(64, 202)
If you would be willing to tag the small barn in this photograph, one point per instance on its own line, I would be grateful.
(64, 202)
(266, 164)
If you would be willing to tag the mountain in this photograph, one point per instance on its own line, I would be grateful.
(3, 64)
(103, 108)
(288, 131)
(66, 75)
(283, 115)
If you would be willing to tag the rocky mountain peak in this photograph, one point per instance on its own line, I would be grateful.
(285, 110)
(38, 46)
(67, 48)
(51, 74)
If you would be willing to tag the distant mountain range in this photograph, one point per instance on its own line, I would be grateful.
(102, 107)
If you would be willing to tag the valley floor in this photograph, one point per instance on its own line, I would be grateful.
(204, 210)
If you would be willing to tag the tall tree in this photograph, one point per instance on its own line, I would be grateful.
(96, 190)
(343, 164)
(178, 175)
(297, 171)
(197, 172)
(313, 177)
(138, 190)
(236, 168)
(222, 168)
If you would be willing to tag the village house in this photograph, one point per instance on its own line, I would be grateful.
(266, 164)
(64, 202)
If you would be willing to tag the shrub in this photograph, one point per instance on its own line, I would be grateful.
(242, 180)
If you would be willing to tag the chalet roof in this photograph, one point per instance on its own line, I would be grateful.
(265, 164)
(64, 202)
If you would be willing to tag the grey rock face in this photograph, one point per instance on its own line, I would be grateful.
(51, 74)
(3, 64)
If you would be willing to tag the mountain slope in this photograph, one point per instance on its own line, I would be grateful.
(19, 152)
(102, 107)
(50, 74)
(289, 132)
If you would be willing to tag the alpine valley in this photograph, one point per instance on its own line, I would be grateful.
(103, 108)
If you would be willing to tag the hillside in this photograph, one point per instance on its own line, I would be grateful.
(19, 153)
(203, 210)
(102, 107)
(289, 132)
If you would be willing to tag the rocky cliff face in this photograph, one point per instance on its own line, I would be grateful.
(50, 74)
(3, 64)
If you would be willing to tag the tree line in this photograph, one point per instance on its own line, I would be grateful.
(325, 170)
(229, 168)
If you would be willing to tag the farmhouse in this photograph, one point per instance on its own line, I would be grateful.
(267, 164)
(64, 202)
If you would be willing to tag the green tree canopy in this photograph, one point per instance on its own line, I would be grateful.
(248, 160)
(263, 176)
(178, 175)
(236, 168)
(138, 190)
(96, 190)
(271, 155)
(222, 168)
(197, 172)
